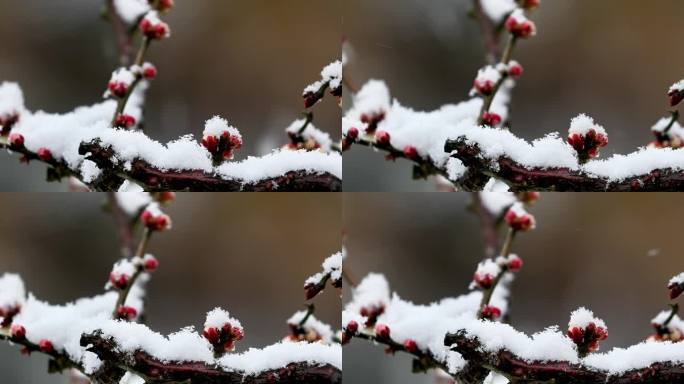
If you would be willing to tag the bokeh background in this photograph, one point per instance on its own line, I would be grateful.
(249, 254)
(247, 61)
(611, 59)
(613, 253)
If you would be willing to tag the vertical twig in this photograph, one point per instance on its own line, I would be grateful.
(488, 32)
(123, 224)
(123, 38)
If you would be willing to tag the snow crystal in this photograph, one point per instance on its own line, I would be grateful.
(278, 163)
(89, 171)
(322, 329)
(91, 363)
(455, 168)
(12, 291)
(131, 10)
(581, 318)
(11, 98)
(582, 124)
(679, 279)
(677, 87)
(218, 317)
(496, 10)
(133, 202)
(311, 132)
(217, 125)
(279, 355)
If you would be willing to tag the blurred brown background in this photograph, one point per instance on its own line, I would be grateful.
(249, 254)
(247, 61)
(611, 59)
(613, 253)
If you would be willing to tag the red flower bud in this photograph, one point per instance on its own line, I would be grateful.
(126, 313)
(150, 263)
(483, 281)
(118, 89)
(119, 281)
(531, 4)
(352, 327)
(149, 71)
(18, 332)
(491, 119)
(676, 290)
(490, 312)
(154, 222)
(44, 154)
(520, 221)
(164, 5)
(124, 121)
(152, 30)
(352, 133)
(411, 152)
(514, 263)
(410, 346)
(46, 346)
(382, 332)
(484, 87)
(520, 28)
(16, 141)
(382, 139)
(515, 70)
(212, 335)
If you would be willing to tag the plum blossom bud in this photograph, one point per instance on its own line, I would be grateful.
(586, 137)
(486, 80)
(410, 346)
(124, 121)
(122, 273)
(586, 331)
(164, 197)
(121, 81)
(411, 152)
(514, 69)
(667, 327)
(491, 119)
(18, 332)
(352, 326)
(676, 93)
(44, 154)
(352, 133)
(530, 4)
(149, 71)
(16, 141)
(676, 286)
(382, 332)
(222, 331)
(46, 346)
(220, 139)
(519, 25)
(485, 275)
(382, 138)
(519, 219)
(126, 313)
(490, 312)
(7, 121)
(164, 5)
(154, 219)
(511, 263)
(150, 263)
(527, 197)
(153, 28)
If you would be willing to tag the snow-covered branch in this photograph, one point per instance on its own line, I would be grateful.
(103, 145)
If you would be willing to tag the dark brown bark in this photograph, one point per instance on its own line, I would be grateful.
(155, 371)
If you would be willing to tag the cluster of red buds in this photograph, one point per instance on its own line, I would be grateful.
(490, 312)
(519, 219)
(486, 274)
(372, 119)
(586, 331)
(120, 83)
(586, 137)
(7, 314)
(7, 121)
(676, 286)
(16, 141)
(667, 326)
(676, 93)
(520, 26)
(491, 119)
(486, 80)
(222, 331)
(153, 28)
(154, 219)
(371, 313)
(331, 77)
(220, 139)
(123, 271)
(123, 120)
(126, 313)
(511, 263)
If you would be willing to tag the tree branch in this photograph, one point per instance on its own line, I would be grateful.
(519, 370)
(519, 178)
(155, 371)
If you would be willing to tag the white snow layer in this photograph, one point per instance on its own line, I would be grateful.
(496, 10)
(131, 10)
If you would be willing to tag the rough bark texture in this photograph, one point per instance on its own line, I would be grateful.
(520, 178)
(155, 371)
(558, 372)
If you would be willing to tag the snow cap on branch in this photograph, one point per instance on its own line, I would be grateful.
(313, 330)
(131, 11)
(222, 331)
(121, 81)
(586, 137)
(676, 93)
(153, 28)
(11, 105)
(220, 138)
(310, 138)
(12, 297)
(331, 77)
(496, 10)
(485, 274)
(486, 80)
(676, 286)
(371, 296)
(586, 330)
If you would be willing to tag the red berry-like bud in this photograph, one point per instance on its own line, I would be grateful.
(520, 27)
(410, 346)
(212, 335)
(411, 152)
(528, 197)
(531, 4)
(676, 97)
(483, 281)
(155, 222)
(352, 326)
(118, 89)
(150, 263)
(491, 119)
(576, 334)
(164, 5)
(352, 133)
(16, 141)
(165, 197)
(382, 332)
(237, 333)
(382, 138)
(514, 263)
(126, 313)
(520, 221)
(484, 87)
(119, 281)
(44, 154)
(46, 346)
(491, 312)
(18, 332)
(676, 290)
(124, 121)
(515, 70)
(149, 71)
(210, 143)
